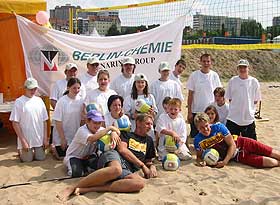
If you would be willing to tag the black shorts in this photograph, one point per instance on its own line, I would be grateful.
(194, 130)
(245, 130)
(60, 152)
(81, 167)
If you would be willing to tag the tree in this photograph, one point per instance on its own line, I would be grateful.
(212, 33)
(135, 29)
(223, 30)
(153, 26)
(233, 33)
(251, 28)
(113, 31)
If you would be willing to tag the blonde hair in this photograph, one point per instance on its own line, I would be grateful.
(201, 117)
(175, 101)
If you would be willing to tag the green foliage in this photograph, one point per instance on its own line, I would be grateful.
(273, 31)
(223, 30)
(113, 31)
(199, 34)
(251, 28)
(135, 29)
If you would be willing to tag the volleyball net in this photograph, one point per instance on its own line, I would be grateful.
(212, 24)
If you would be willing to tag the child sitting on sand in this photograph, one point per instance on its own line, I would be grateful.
(173, 125)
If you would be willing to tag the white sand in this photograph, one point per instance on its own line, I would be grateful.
(233, 184)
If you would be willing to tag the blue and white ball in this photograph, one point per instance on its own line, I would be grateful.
(210, 156)
(105, 143)
(123, 124)
(94, 106)
(171, 162)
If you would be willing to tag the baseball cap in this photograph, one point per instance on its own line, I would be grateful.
(69, 66)
(95, 116)
(164, 66)
(128, 60)
(93, 60)
(243, 62)
(140, 76)
(31, 83)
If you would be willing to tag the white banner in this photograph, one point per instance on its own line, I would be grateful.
(47, 51)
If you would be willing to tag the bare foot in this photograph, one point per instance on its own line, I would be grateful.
(65, 194)
(77, 191)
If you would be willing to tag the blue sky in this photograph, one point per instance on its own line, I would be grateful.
(261, 10)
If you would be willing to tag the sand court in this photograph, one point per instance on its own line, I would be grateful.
(233, 184)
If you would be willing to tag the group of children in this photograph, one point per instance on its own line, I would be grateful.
(71, 106)
(107, 107)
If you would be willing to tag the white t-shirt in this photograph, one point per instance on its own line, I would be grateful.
(203, 86)
(30, 113)
(79, 146)
(122, 85)
(99, 97)
(162, 89)
(176, 79)
(68, 111)
(177, 125)
(60, 87)
(89, 81)
(222, 111)
(242, 93)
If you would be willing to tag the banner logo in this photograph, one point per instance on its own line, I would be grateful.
(49, 60)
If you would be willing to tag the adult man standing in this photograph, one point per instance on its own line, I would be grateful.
(136, 151)
(122, 84)
(89, 78)
(201, 85)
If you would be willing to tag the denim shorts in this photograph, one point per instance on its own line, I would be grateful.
(113, 155)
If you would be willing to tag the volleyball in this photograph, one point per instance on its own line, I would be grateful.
(170, 144)
(211, 156)
(142, 106)
(93, 106)
(170, 162)
(123, 124)
(104, 143)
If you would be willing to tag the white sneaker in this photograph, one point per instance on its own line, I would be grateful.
(184, 153)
